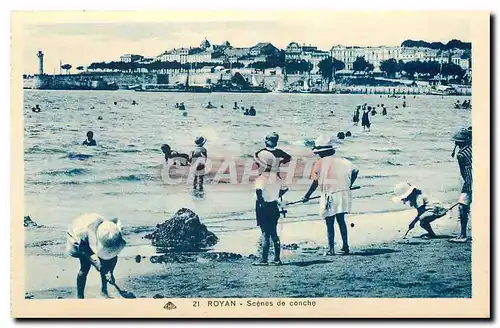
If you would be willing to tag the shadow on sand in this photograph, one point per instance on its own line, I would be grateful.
(426, 237)
(307, 263)
(373, 251)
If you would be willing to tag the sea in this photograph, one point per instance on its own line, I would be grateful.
(121, 177)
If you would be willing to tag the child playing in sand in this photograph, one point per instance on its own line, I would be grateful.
(91, 234)
(427, 211)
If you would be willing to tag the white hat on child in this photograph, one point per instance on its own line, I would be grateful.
(402, 191)
(107, 241)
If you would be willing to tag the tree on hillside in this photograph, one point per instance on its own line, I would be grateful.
(80, 68)
(450, 70)
(411, 68)
(66, 67)
(361, 65)
(262, 65)
(277, 59)
(390, 67)
(328, 65)
(233, 65)
(457, 44)
(452, 44)
(298, 66)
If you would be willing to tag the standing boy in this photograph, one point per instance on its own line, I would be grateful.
(198, 160)
(463, 140)
(269, 187)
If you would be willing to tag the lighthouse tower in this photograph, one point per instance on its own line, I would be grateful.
(40, 62)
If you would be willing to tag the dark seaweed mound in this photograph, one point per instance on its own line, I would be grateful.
(182, 233)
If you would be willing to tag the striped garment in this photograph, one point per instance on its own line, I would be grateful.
(464, 158)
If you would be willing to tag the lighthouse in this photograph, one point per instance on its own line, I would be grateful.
(40, 62)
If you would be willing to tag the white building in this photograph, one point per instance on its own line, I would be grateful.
(309, 53)
(375, 55)
(129, 58)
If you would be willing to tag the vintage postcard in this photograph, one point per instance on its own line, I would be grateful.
(250, 164)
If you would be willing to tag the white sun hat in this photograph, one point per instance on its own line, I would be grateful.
(107, 241)
(402, 190)
(323, 143)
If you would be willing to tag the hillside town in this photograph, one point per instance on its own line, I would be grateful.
(299, 67)
(299, 57)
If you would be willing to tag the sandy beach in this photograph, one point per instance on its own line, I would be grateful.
(122, 177)
(381, 266)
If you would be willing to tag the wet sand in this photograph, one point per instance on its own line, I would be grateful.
(385, 266)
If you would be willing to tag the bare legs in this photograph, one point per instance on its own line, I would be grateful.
(272, 234)
(331, 232)
(463, 211)
(107, 266)
(81, 278)
(198, 183)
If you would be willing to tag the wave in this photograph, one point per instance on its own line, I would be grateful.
(128, 150)
(375, 176)
(155, 150)
(40, 150)
(75, 156)
(123, 178)
(66, 172)
(393, 163)
(388, 150)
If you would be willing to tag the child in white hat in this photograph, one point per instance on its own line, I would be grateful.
(335, 176)
(427, 210)
(91, 234)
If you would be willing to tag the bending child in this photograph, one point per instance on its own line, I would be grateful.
(427, 210)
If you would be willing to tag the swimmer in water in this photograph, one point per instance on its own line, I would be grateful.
(90, 140)
(36, 109)
(365, 120)
(355, 117)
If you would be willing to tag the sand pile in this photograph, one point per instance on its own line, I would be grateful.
(182, 233)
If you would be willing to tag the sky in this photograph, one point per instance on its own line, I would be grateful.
(83, 39)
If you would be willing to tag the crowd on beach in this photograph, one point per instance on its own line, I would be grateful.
(334, 176)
